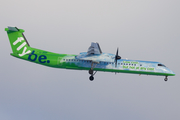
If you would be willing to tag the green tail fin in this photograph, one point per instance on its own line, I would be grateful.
(18, 41)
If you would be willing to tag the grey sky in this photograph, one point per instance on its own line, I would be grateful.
(143, 30)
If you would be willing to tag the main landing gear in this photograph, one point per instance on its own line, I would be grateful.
(91, 71)
(166, 78)
(91, 78)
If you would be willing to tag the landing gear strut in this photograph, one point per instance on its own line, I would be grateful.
(91, 72)
(165, 79)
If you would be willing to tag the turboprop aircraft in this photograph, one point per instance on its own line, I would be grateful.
(93, 60)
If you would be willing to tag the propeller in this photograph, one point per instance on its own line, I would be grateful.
(117, 57)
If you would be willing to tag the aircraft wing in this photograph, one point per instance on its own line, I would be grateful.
(95, 54)
(94, 49)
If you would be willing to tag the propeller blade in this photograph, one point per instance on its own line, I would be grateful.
(117, 52)
(116, 63)
(117, 57)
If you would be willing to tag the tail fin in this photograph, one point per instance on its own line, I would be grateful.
(17, 40)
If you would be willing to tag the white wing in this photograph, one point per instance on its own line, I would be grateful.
(94, 49)
(95, 54)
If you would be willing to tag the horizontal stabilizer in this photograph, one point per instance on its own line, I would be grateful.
(13, 29)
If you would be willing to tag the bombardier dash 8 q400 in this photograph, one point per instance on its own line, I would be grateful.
(93, 60)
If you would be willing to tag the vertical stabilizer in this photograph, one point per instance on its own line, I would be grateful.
(17, 40)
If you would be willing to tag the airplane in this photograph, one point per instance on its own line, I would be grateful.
(93, 60)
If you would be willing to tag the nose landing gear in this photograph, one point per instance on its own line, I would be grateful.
(165, 79)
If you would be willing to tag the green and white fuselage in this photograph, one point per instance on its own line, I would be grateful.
(94, 59)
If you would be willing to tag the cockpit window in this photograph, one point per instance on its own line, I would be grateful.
(161, 65)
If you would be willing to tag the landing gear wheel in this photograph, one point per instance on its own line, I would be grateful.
(91, 71)
(91, 78)
(165, 79)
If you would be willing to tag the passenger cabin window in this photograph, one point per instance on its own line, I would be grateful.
(161, 65)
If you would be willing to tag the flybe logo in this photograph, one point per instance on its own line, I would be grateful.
(20, 39)
(41, 58)
(32, 56)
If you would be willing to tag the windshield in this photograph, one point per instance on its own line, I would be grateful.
(161, 65)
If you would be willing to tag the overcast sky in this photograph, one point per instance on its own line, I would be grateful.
(142, 29)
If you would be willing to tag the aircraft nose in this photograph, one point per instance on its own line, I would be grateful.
(172, 73)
